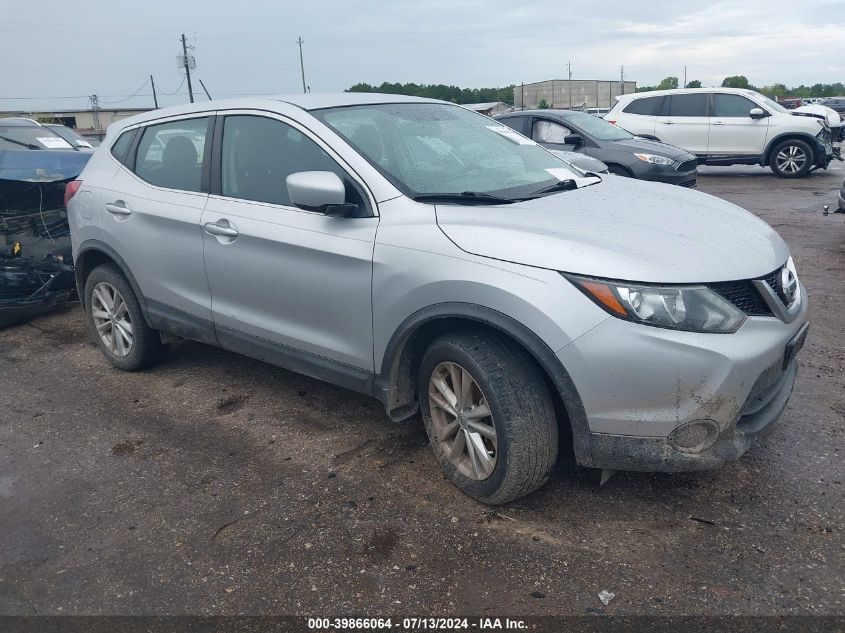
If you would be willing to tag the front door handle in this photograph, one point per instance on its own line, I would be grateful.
(219, 230)
(718, 122)
(668, 122)
(118, 207)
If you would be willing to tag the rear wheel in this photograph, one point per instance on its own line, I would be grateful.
(791, 158)
(116, 322)
(489, 416)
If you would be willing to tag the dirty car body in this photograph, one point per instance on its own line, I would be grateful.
(661, 337)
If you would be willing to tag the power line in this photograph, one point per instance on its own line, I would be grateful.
(134, 94)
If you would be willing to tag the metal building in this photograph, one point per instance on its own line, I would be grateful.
(577, 93)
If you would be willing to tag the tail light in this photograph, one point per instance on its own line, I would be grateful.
(70, 189)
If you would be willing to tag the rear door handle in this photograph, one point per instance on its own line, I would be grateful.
(220, 231)
(118, 207)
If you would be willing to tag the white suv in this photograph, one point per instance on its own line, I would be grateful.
(728, 126)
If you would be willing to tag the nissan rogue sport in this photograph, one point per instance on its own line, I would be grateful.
(441, 262)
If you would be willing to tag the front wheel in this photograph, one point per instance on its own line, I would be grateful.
(791, 158)
(489, 416)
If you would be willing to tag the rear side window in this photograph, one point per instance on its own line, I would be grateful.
(647, 106)
(688, 105)
(259, 154)
(120, 148)
(732, 106)
(171, 154)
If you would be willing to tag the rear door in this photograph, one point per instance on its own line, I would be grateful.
(151, 217)
(682, 121)
(732, 130)
(285, 282)
(638, 116)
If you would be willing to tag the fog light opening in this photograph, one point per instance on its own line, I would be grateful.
(694, 437)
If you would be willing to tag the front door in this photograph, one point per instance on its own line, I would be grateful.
(732, 130)
(285, 280)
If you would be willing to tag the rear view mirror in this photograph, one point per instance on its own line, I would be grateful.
(321, 191)
(573, 139)
(757, 113)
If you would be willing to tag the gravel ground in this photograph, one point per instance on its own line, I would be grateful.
(216, 484)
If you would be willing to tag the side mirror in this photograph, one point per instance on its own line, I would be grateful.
(573, 139)
(757, 113)
(321, 191)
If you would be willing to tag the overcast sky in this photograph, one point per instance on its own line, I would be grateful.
(249, 47)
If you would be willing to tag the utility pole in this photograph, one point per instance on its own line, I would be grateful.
(206, 90)
(187, 67)
(523, 96)
(685, 76)
(155, 98)
(621, 81)
(301, 64)
(569, 83)
(95, 110)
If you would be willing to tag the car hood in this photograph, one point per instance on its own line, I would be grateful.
(645, 146)
(622, 229)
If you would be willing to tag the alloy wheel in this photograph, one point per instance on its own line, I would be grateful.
(462, 421)
(791, 159)
(111, 319)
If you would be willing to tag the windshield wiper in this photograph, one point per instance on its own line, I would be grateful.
(464, 196)
(26, 145)
(562, 185)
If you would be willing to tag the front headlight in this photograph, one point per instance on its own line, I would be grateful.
(654, 159)
(688, 308)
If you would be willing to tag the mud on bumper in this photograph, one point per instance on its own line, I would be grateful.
(657, 454)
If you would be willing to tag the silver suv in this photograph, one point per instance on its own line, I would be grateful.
(441, 262)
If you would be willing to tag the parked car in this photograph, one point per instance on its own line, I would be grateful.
(836, 103)
(728, 126)
(35, 252)
(621, 151)
(418, 252)
(77, 141)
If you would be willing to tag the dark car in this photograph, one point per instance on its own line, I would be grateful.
(36, 269)
(836, 103)
(624, 153)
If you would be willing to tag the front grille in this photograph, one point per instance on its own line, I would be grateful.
(687, 165)
(743, 295)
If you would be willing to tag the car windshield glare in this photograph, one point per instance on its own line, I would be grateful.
(434, 148)
(596, 127)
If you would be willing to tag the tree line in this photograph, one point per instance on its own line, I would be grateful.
(773, 90)
(456, 94)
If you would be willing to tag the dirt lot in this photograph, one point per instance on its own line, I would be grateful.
(219, 485)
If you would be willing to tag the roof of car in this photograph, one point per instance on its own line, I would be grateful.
(309, 101)
(17, 121)
(679, 91)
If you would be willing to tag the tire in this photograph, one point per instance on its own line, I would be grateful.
(791, 158)
(618, 170)
(144, 347)
(521, 415)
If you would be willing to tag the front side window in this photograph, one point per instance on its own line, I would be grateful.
(259, 154)
(433, 148)
(727, 105)
(688, 105)
(550, 132)
(171, 154)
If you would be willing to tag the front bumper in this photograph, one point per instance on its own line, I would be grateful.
(641, 385)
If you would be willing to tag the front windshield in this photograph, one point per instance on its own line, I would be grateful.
(30, 137)
(774, 105)
(596, 127)
(433, 148)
